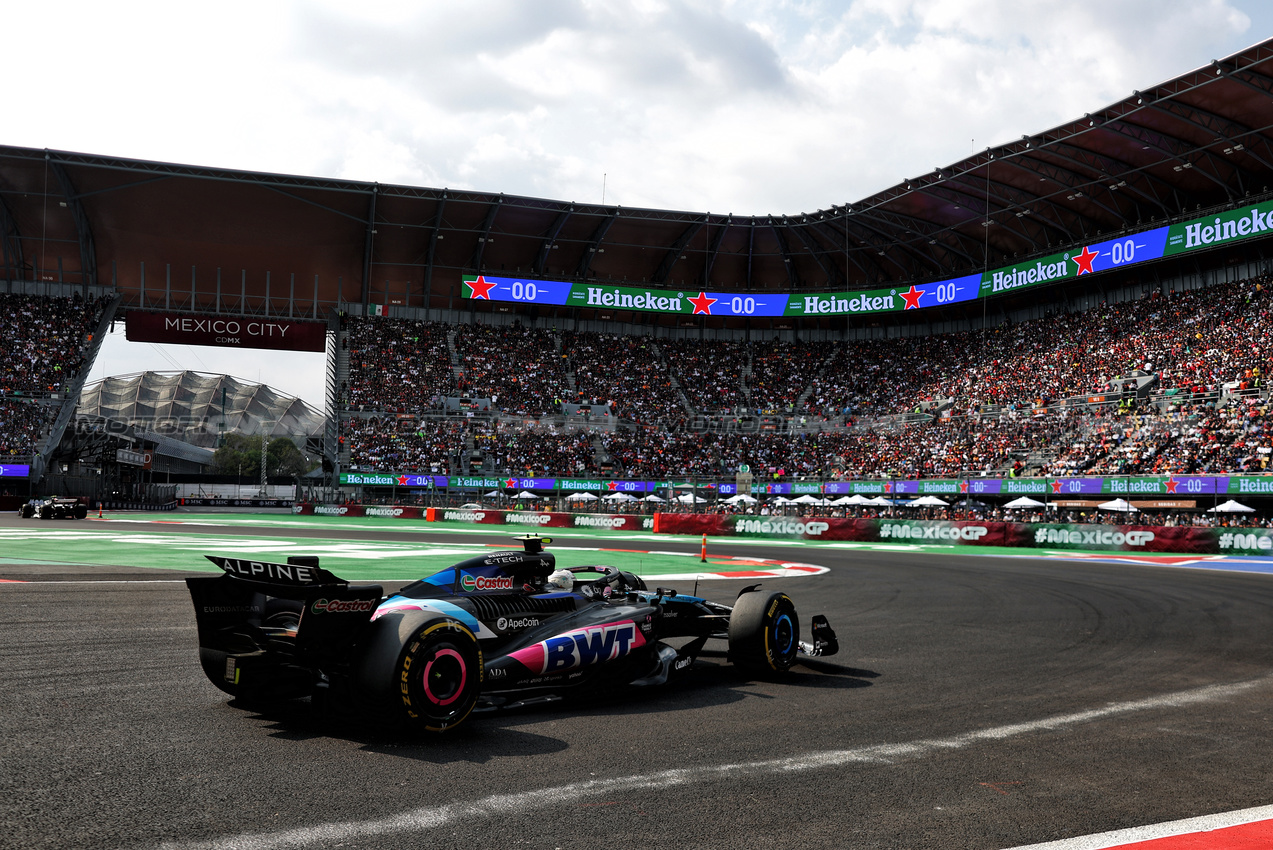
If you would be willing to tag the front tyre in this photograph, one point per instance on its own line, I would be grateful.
(764, 633)
(439, 675)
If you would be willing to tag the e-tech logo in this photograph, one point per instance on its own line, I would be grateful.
(471, 583)
(581, 648)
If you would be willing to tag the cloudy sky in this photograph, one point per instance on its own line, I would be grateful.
(724, 105)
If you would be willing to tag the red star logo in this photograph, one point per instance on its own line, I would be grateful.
(482, 289)
(703, 304)
(1171, 484)
(1056, 486)
(888, 486)
(613, 484)
(912, 296)
(511, 483)
(963, 486)
(402, 481)
(1085, 260)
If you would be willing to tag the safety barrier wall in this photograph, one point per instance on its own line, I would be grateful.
(1118, 538)
(532, 519)
(1113, 538)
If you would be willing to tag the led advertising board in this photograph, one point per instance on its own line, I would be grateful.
(1092, 258)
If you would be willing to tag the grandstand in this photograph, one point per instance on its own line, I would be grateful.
(1089, 300)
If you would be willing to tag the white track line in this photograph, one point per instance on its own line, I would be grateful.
(1121, 837)
(503, 805)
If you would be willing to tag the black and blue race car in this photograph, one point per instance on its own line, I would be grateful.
(494, 631)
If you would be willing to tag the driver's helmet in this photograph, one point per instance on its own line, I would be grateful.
(560, 580)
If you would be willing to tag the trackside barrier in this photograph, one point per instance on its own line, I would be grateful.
(1117, 538)
(532, 519)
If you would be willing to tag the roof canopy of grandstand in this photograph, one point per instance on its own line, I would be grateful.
(210, 240)
(196, 408)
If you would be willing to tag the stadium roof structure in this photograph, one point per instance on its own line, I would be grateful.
(212, 240)
(188, 406)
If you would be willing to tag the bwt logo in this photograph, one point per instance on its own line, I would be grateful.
(581, 648)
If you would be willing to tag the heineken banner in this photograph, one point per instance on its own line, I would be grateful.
(1043, 488)
(1092, 258)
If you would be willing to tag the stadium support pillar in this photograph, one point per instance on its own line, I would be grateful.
(367, 247)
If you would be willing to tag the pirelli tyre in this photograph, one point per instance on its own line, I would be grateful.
(426, 671)
(764, 633)
(27, 511)
(80, 511)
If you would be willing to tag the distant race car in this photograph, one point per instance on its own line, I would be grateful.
(494, 631)
(54, 508)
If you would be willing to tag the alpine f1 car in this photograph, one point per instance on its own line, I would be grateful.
(54, 508)
(494, 631)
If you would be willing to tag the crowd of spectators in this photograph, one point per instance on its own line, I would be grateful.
(406, 444)
(44, 342)
(522, 370)
(710, 372)
(781, 372)
(396, 365)
(625, 371)
(1193, 342)
(23, 424)
(42, 350)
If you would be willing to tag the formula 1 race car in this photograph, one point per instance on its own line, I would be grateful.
(53, 508)
(494, 631)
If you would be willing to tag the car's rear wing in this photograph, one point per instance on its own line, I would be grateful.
(241, 605)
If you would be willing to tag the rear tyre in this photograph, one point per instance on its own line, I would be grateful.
(439, 675)
(764, 633)
(81, 512)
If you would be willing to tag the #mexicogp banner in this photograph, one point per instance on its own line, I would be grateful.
(1092, 258)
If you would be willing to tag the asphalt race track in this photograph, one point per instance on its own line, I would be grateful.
(977, 703)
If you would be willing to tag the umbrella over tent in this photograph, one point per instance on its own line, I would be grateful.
(690, 498)
(653, 498)
(879, 501)
(781, 500)
(1117, 505)
(581, 497)
(1024, 502)
(806, 499)
(494, 494)
(619, 497)
(927, 502)
(741, 497)
(525, 494)
(1231, 507)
